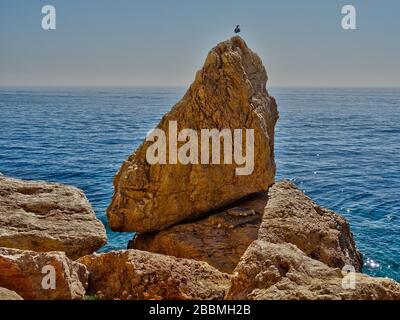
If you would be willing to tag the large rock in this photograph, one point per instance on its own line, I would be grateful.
(6, 294)
(43, 216)
(229, 92)
(29, 274)
(285, 215)
(270, 271)
(137, 275)
(292, 217)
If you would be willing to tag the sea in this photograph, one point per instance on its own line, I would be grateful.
(341, 146)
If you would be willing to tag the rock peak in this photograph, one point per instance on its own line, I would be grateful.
(235, 57)
(232, 43)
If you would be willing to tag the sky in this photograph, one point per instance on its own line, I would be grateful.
(164, 42)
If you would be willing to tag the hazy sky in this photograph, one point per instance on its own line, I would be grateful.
(163, 42)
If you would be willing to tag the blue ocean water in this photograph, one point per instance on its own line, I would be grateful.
(341, 146)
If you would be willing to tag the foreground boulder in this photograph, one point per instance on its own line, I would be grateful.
(25, 273)
(43, 216)
(270, 271)
(229, 92)
(284, 215)
(6, 294)
(137, 275)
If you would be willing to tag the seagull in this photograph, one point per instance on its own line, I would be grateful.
(237, 29)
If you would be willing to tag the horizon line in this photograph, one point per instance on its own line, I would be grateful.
(187, 86)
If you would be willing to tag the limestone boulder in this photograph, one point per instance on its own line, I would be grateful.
(270, 271)
(292, 217)
(137, 275)
(229, 92)
(30, 274)
(283, 215)
(41, 216)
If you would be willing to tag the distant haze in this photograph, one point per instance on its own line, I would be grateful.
(163, 43)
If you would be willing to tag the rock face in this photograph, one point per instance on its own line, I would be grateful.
(285, 215)
(292, 217)
(270, 271)
(229, 92)
(42, 216)
(24, 272)
(6, 294)
(137, 275)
